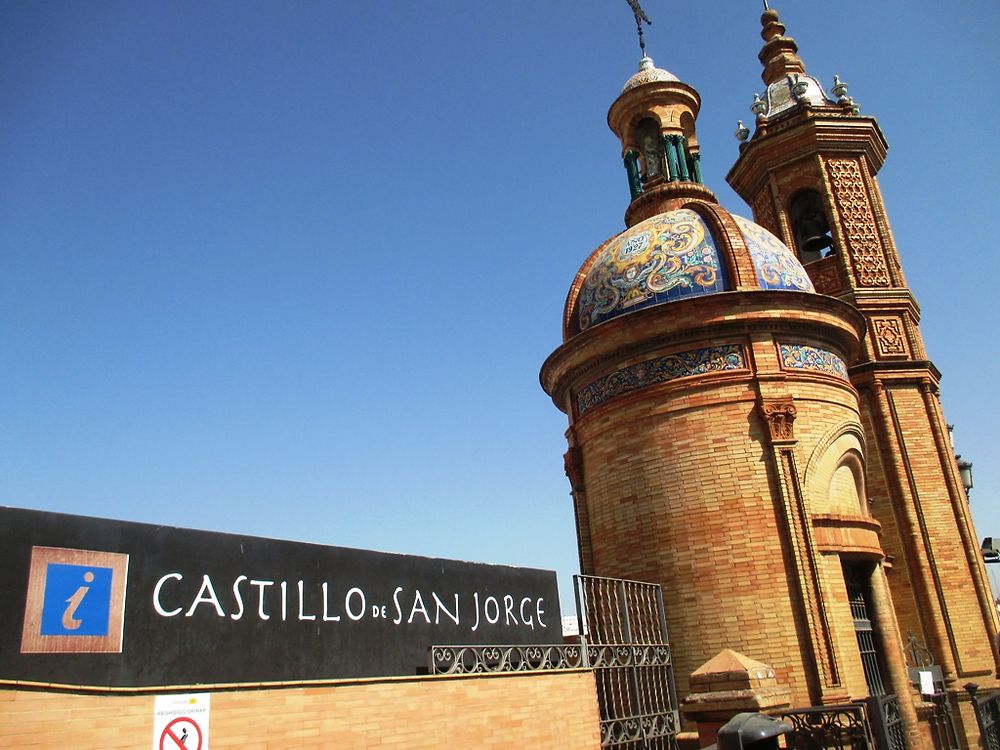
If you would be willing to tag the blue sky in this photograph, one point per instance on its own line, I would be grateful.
(290, 269)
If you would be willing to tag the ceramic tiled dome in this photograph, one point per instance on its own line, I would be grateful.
(672, 256)
(648, 73)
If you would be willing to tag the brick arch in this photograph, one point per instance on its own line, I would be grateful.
(846, 490)
(686, 122)
(629, 140)
(837, 462)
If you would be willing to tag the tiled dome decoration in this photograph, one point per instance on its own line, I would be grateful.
(674, 255)
(648, 73)
(779, 96)
(666, 257)
(777, 267)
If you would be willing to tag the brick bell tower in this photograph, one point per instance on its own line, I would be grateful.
(716, 443)
(808, 172)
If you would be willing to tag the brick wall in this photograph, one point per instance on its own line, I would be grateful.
(555, 710)
(681, 490)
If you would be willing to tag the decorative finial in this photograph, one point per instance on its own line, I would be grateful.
(640, 17)
(799, 87)
(779, 54)
(839, 89)
(742, 131)
(759, 106)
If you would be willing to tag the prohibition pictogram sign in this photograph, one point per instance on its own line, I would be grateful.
(181, 734)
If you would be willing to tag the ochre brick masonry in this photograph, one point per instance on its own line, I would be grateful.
(552, 710)
(771, 451)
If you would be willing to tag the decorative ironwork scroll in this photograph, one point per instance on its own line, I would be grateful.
(917, 654)
(492, 659)
(841, 727)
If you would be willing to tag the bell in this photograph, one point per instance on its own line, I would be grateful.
(811, 229)
(816, 243)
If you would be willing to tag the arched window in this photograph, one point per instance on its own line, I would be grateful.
(810, 226)
(651, 145)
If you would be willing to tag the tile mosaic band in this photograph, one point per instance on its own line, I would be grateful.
(804, 357)
(660, 370)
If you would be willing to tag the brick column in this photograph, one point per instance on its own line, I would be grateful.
(727, 684)
(895, 663)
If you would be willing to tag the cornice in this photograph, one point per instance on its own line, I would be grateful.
(726, 316)
(800, 136)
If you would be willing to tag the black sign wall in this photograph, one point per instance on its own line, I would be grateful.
(94, 602)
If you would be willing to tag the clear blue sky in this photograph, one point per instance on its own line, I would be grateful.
(290, 269)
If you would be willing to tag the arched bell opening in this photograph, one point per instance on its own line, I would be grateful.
(810, 226)
(647, 136)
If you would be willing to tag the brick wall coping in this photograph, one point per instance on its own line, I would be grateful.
(216, 687)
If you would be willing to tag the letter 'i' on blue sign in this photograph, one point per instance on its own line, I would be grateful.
(77, 600)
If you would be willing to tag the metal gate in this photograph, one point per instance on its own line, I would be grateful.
(624, 630)
(886, 721)
(987, 715)
(942, 719)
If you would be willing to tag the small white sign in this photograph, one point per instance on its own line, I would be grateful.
(926, 682)
(180, 722)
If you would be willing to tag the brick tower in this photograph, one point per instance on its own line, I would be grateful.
(809, 171)
(735, 437)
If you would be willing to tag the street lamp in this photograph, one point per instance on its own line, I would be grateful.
(965, 471)
(990, 552)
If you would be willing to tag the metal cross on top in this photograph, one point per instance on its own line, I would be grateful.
(640, 16)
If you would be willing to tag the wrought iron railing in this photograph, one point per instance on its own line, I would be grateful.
(656, 731)
(840, 727)
(624, 627)
(625, 655)
(623, 639)
(919, 660)
(987, 715)
(886, 721)
(494, 659)
(942, 722)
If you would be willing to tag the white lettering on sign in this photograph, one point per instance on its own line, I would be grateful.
(156, 596)
(238, 614)
(347, 604)
(302, 596)
(326, 606)
(319, 603)
(441, 608)
(418, 606)
(261, 585)
(206, 595)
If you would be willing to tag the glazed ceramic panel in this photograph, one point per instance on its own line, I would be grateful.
(667, 257)
(804, 357)
(660, 370)
(777, 267)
